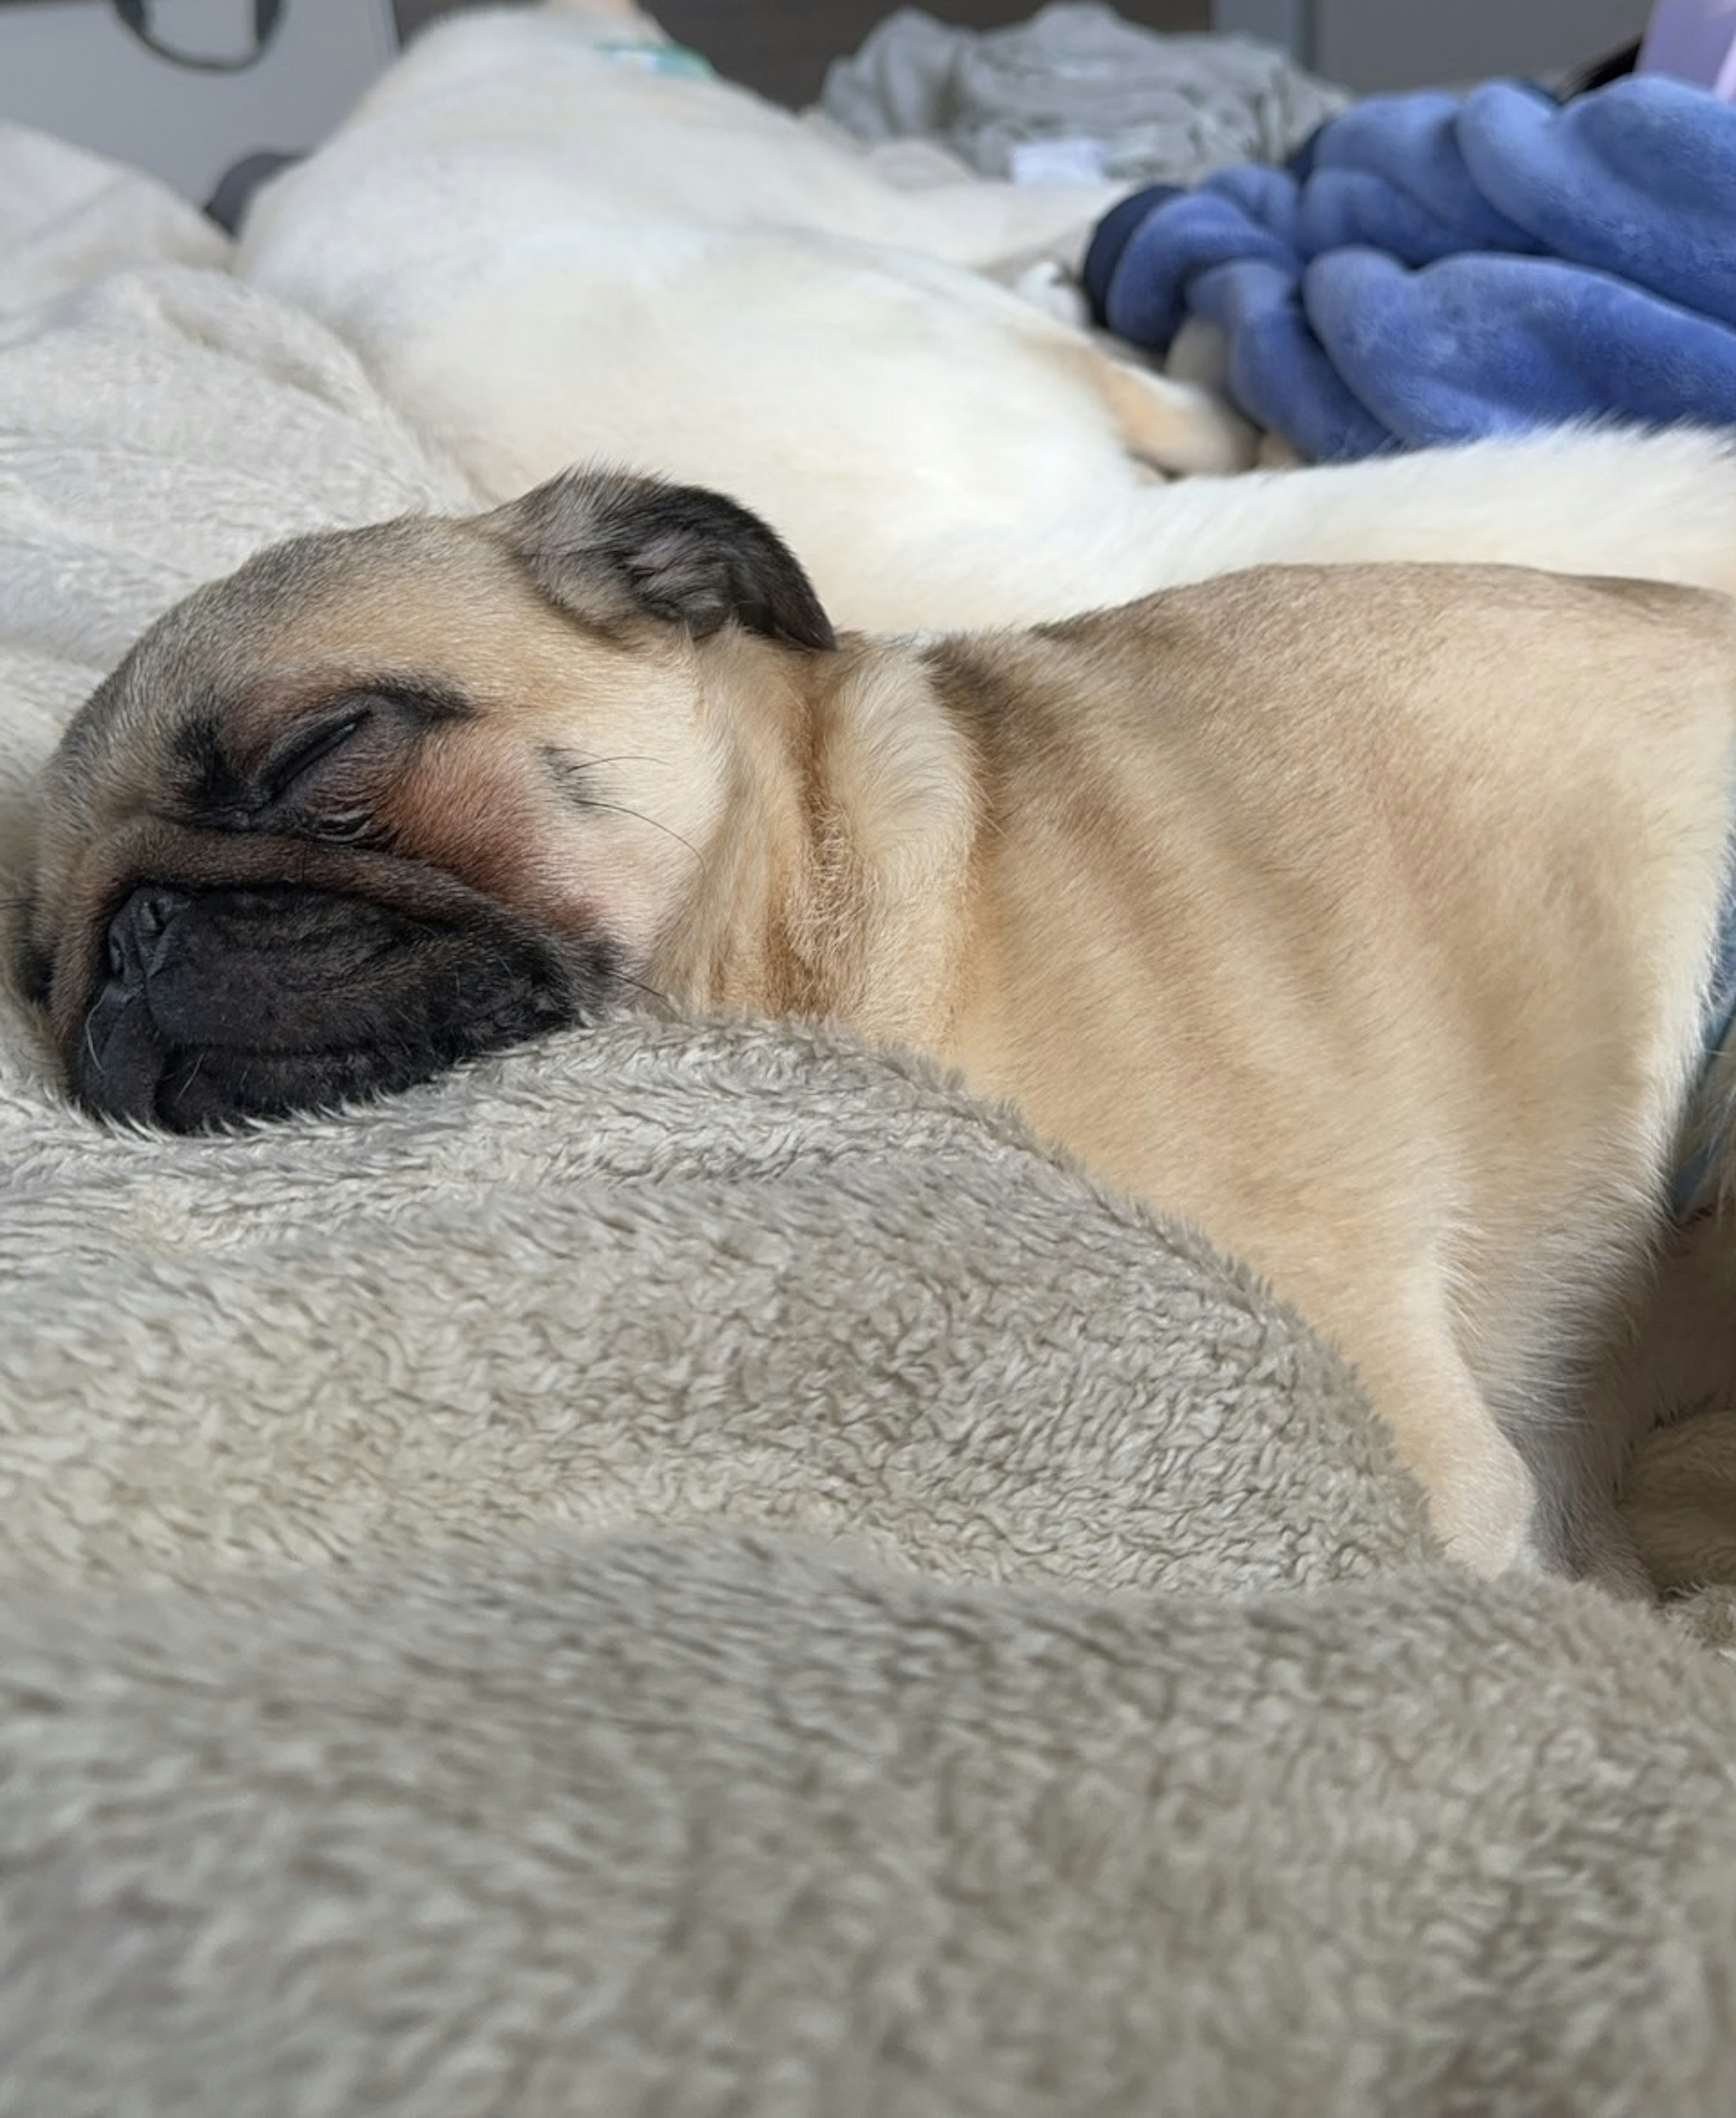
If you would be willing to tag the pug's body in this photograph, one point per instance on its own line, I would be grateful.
(1365, 917)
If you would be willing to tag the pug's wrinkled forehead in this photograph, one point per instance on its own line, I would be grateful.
(316, 611)
(416, 599)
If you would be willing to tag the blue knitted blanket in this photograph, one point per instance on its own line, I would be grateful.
(1430, 267)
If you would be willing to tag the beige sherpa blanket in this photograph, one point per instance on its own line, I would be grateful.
(698, 1571)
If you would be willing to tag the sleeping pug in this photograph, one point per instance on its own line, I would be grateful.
(1367, 917)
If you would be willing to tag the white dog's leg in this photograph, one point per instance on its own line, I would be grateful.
(1172, 426)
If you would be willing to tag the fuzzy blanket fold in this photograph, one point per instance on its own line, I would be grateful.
(695, 1569)
(1433, 268)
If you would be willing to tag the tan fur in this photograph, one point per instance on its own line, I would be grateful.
(1361, 920)
(1360, 915)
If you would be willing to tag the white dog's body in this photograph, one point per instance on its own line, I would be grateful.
(548, 252)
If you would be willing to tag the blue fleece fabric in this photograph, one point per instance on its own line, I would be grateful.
(1432, 268)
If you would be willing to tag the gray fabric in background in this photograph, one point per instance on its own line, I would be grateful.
(1162, 109)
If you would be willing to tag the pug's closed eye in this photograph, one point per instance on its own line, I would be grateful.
(296, 763)
(323, 780)
(323, 777)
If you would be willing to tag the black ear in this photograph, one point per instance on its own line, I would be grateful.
(605, 545)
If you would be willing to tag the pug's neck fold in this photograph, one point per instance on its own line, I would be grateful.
(838, 886)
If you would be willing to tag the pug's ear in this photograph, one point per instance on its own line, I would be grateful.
(607, 546)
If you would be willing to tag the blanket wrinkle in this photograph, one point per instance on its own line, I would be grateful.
(68, 217)
(913, 1894)
(453, 1340)
(697, 1567)
(1432, 268)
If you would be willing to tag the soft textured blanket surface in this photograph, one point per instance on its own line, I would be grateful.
(1435, 268)
(695, 1569)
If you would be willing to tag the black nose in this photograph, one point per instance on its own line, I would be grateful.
(217, 1004)
(137, 933)
(122, 1051)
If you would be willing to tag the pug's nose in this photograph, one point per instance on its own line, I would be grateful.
(138, 933)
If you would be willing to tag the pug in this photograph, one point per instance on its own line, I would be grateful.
(1368, 917)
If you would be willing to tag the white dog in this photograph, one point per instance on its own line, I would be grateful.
(553, 240)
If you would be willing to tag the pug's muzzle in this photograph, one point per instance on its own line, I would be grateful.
(219, 1005)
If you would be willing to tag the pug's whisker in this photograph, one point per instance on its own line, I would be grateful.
(639, 985)
(596, 764)
(639, 816)
(571, 770)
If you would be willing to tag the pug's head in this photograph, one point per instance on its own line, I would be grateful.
(386, 799)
